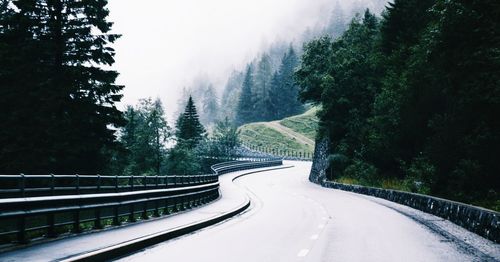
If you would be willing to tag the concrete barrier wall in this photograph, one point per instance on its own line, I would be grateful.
(481, 221)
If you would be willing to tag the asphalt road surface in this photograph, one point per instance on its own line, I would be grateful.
(291, 219)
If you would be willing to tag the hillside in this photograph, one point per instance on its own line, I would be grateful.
(294, 133)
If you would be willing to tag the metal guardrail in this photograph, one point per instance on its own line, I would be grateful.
(243, 165)
(52, 185)
(23, 218)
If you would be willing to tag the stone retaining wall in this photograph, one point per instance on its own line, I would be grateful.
(481, 221)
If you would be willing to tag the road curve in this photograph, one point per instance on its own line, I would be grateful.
(291, 219)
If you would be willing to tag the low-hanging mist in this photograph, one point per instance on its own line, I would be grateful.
(168, 46)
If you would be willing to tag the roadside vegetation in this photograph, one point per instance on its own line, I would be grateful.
(258, 134)
(410, 98)
(306, 124)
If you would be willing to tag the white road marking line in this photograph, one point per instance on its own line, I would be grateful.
(321, 226)
(314, 237)
(324, 218)
(303, 253)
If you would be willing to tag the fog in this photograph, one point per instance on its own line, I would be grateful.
(167, 44)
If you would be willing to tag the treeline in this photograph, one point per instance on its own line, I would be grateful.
(413, 95)
(57, 97)
(149, 146)
(58, 101)
(267, 95)
(265, 89)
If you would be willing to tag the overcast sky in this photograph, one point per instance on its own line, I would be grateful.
(166, 44)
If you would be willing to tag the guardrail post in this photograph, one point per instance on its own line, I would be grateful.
(157, 181)
(21, 230)
(22, 185)
(116, 183)
(116, 216)
(77, 186)
(51, 231)
(52, 184)
(144, 215)
(131, 182)
(98, 183)
(76, 222)
(131, 215)
(144, 182)
(97, 221)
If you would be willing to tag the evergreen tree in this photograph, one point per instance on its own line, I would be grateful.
(231, 95)
(210, 106)
(337, 24)
(284, 93)
(144, 138)
(261, 89)
(189, 129)
(245, 110)
(69, 95)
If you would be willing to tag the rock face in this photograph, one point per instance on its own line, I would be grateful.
(483, 222)
(320, 161)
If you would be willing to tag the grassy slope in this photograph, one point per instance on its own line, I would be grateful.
(260, 135)
(305, 124)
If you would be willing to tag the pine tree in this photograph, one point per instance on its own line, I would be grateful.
(210, 106)
(284, 95)
(261, 89)
(231, 95)
(337, 24)
(189, 129)
(245, 110)
(69, 96)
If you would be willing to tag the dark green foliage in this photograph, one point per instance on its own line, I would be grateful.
(267, 95)
(143, 139)
(245, 113)
(189, 129)
(225, 139)
(414, 98)
(261, 89)
(58, 99)
(182, 160)
(283, 95)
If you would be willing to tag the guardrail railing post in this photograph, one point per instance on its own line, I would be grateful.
(116, 216)
(116, 183)
(76, 222)
(52, 184)
(144, 182)
(131, 182)
(22, 185)
(77, 186)
(21, 230)
(98, 183)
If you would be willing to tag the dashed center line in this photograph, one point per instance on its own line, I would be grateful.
(314, 237)
(321, 226)
(303, 253)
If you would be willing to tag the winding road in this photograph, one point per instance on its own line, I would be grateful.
(291, 219)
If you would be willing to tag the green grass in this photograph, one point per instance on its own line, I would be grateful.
(260, 135)
(305, 124)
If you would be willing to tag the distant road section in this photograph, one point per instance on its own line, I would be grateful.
(291, 219)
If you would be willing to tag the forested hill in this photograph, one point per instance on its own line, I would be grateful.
(413, 95)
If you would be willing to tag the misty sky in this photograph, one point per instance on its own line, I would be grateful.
(166, 44)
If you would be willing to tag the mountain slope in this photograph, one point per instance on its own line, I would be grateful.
(294, 133)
